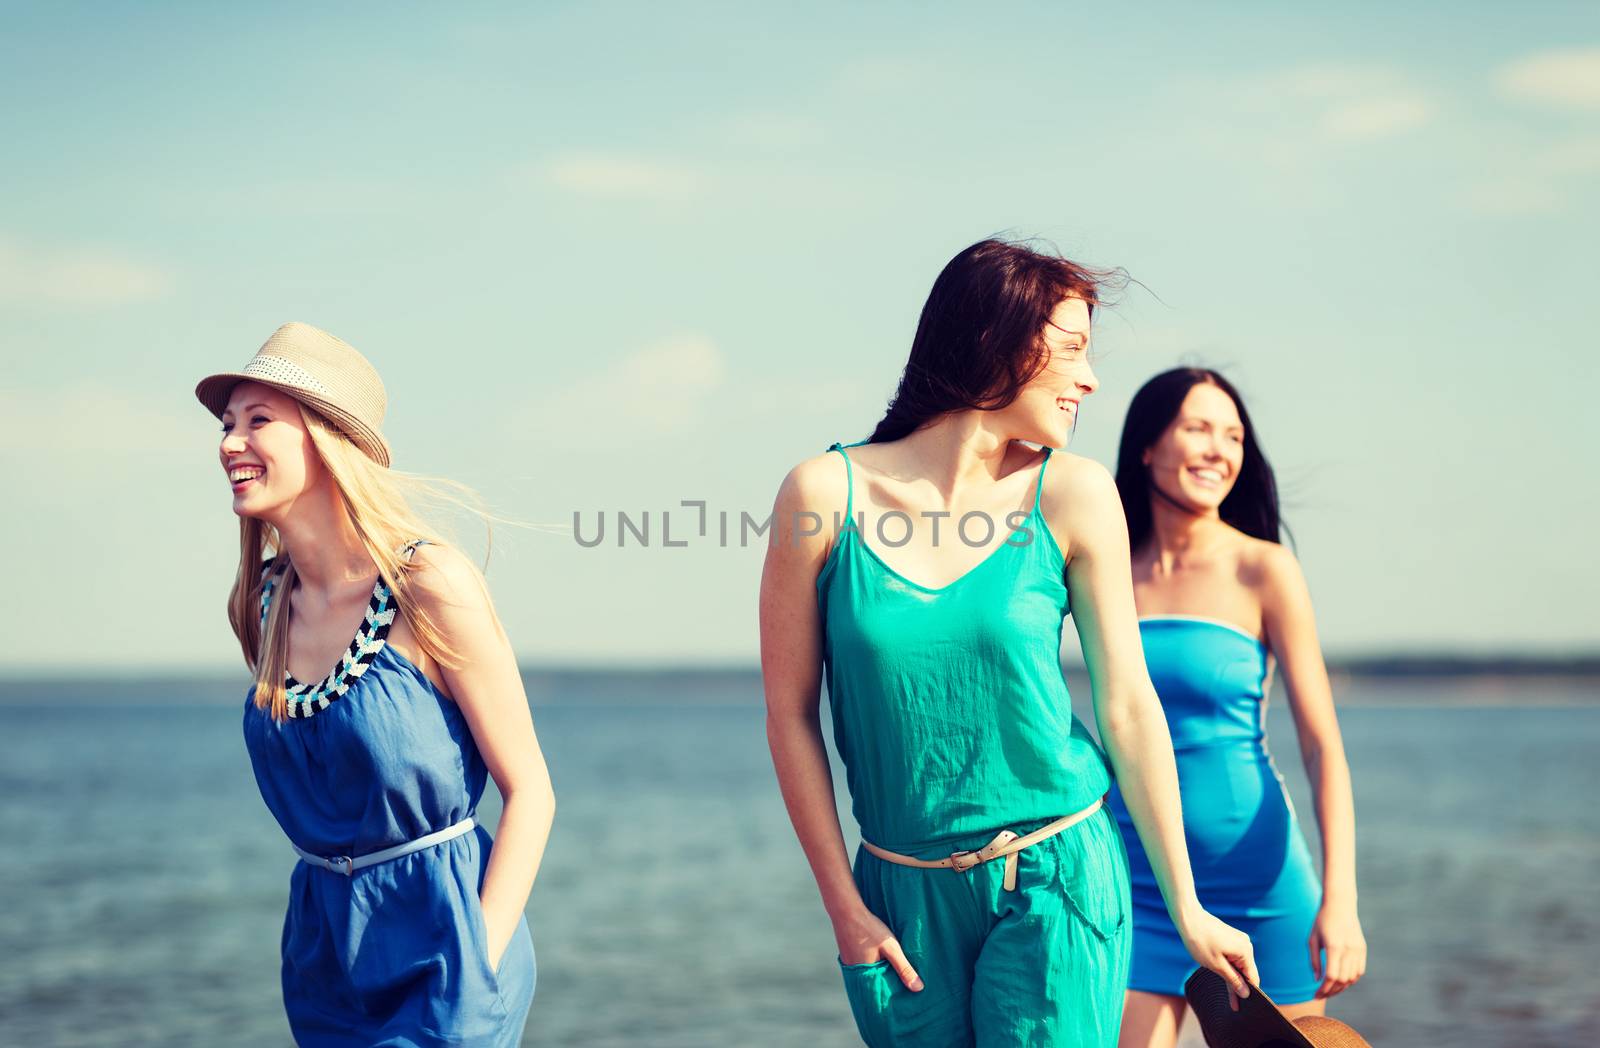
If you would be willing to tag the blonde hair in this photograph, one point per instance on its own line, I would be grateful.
(376, 503)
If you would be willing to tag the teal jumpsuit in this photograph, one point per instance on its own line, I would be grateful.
(952, 717)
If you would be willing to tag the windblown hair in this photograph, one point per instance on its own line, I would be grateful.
(980, 338)
(376, 503)
(1252, 504)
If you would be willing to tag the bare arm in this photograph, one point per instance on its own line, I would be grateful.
(488, 688)
(1292, 634)
(791, 673)
(1132, 724)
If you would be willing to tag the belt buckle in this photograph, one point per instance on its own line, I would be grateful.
(348, 864)
(962, 861)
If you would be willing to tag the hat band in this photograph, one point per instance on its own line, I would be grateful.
(277, 369)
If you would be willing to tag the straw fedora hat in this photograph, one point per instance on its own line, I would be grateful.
(1258, 1023)
(319, 370)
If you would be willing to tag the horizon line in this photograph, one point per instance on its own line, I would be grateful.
(1375, 663)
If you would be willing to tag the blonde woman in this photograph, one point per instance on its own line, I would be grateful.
(405, 922)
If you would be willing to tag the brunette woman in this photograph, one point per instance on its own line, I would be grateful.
(988, 902)
(1221, 602)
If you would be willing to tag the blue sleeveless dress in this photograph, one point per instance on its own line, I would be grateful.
(1252, 868)
(395, 954)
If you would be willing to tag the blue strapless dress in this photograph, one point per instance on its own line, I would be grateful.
(1252, 868)
(396, 954)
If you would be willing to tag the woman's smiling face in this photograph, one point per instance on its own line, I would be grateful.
(1197, 459)
(1047, 407)
(266, 451)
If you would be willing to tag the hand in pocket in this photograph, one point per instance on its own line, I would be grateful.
(864, 939)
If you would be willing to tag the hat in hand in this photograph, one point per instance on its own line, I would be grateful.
(1258, 1023)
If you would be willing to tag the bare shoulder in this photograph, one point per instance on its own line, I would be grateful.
(1271, 570)
(810, 504)
(443, 575)
(817, 485)
(1080, 505)
(1073, 483)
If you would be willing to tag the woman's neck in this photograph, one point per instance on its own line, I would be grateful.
(322, 542)
(957, 453)
(1181, 536)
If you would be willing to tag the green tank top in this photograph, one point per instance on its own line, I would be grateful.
(950, 710)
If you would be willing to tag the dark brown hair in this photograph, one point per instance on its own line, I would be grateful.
(978, 341)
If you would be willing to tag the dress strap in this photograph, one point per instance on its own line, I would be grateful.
(849, 480)
(269, 579)
(405, 554)
(1038, 491)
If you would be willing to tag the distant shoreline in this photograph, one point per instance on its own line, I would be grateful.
(1574, 667)
(1428, 679)
(1418, 664)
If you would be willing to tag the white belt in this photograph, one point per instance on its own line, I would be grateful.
(348, 865)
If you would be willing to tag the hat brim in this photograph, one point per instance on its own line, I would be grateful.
(1324, 1032)
(213, 391)
(1257, 1021)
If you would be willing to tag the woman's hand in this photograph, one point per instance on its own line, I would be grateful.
(1224, 949)
(863, 939)
(1338, 931)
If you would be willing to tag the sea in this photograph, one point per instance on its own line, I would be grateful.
(145, 882)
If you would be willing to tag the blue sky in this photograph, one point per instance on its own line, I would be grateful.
(613, 257)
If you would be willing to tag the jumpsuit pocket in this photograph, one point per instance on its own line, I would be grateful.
(870, 988)
(1102, 910)
(480, 941)
(480, 947)
(1095, 878)
(887, 1014)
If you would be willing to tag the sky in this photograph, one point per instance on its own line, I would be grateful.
(609, 258)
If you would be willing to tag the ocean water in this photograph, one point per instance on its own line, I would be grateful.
(146, 882)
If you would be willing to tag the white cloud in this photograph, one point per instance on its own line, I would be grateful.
(776, 132)
(620, 176)
(847, 397)
(76, 276)
(1512, 198)
(104, 422)
(662, 389)
(1327, 81)
(1377, 117)
(1569, 77)
(1339, 102)
(675, 388)
(1579, 156)
(1538, 183)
